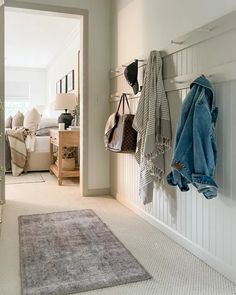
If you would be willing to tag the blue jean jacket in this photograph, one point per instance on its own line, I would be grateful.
(195, 151)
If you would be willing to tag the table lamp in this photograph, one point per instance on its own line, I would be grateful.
(65, 101)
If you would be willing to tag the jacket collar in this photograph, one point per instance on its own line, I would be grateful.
(202, 81)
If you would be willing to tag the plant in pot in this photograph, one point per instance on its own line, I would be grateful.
(76, 115)
(68, 158)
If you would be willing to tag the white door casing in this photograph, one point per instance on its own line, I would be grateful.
(2, 127)
(82, 14)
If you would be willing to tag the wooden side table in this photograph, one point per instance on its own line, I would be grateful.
(63, 139)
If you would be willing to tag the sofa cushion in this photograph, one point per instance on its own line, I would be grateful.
(8, 122)
(45, 125)
(32, 119)
(17, 120)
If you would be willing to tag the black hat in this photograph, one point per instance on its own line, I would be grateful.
(131, 75)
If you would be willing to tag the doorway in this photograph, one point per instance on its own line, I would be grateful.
(82, 15)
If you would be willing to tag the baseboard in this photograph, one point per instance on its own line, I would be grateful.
(1, 208)
(98, 192)
(205, 256)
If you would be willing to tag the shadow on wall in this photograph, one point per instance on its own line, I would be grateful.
(157, 31)
(122, 4)
(175, 99)
(226, 137)
(140, 26)
(127, 35)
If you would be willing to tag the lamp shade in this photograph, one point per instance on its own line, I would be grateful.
(65, 101)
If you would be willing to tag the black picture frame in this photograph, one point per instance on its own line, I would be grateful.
(58, 87)
(64, 84)
(71, 81)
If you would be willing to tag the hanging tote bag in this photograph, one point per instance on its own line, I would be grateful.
(122, 138)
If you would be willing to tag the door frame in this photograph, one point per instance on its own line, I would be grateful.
(83, 14)
(2, 111)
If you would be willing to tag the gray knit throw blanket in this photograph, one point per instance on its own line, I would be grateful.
(152, 122)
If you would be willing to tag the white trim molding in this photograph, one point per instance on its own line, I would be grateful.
(98, 192)
(1, 209)
(82, 14)
(212, 261)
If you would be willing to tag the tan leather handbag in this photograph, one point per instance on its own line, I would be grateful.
(123, 138)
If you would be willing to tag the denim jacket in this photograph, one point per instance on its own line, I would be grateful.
(195, 151)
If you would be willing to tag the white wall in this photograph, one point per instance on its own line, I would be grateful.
(204, 227)
(142, 25)
(61, 65)
(36, 78)
(99, 65)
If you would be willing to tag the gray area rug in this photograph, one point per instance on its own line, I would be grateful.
(72, 252)
(30, 177)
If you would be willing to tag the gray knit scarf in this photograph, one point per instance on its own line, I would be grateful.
(152, 122)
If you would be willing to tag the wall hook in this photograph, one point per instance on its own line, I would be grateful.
(114, 96)
(177, 42)
(205, 29)
(115, 71)
(172, 81)
(139, 60)
(177, 82)
(117, 95)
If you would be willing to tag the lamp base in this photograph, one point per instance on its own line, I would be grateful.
(65, 118)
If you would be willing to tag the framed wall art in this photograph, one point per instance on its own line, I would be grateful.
(71, 81)
(64, 84)
(58, 87)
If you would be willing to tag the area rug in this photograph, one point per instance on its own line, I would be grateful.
(30, 177)
(72, 252)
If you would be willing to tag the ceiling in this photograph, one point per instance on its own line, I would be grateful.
(33, 39)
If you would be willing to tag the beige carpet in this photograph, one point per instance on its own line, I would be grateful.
(30, 177)
(175, 271)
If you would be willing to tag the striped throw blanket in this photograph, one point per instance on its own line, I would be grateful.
(18, 148)
(152, 122)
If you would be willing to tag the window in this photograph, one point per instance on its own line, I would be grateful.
(13, 106)
(17, 97)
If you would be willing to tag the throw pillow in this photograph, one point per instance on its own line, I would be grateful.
(32, 119)
(8, 122)
(44, 131)
(45, 125)
(17, 120)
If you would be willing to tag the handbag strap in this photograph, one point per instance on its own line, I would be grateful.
(127, 102)
(123, 99)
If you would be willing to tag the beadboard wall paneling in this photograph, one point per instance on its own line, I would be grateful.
(205, 227)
